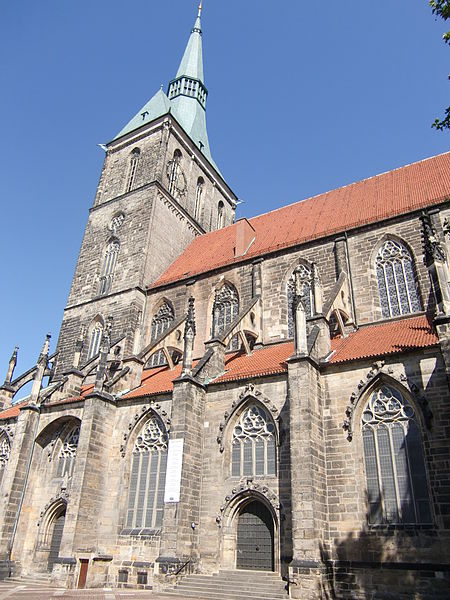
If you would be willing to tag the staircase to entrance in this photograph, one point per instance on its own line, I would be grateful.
(231, 585)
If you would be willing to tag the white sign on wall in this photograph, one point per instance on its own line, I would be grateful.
(173, 473)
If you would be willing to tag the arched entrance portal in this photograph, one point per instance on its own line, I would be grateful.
(55, 543)
(255, 538)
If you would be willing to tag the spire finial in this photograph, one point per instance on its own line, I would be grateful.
(200, 8)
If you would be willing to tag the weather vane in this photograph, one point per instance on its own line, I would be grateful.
(200, 6)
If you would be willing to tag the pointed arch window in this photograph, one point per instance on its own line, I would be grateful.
(225, 310)
(5, 450)
(395, 468)
(220, 215)
(68, 453)
(306, 276)
(253, 444)
(134, 159)
(109, 266)
(148, 476)
(96, 337)
(198, 197)
(396, 280)
(174, 172)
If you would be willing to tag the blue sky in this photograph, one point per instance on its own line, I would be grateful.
(303, 97)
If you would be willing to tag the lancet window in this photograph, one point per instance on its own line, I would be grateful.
(109, 266)
(225, 310)
(306, 275)
(68, 452)
(198, 197)
(396, 280)
(174, 172)
(395, 468)
(5, 449)
(132, 169)
(96, 338)
(148, 475)
(253, 444)
(220, 215)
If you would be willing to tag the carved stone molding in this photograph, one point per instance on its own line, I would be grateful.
(63, 496)
(8, 430)
(247, 489)
(145, 410)
(250, 391)
(180, 216)
(378, 368)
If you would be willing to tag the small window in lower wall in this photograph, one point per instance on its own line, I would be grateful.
(142, 578)
(123, 576)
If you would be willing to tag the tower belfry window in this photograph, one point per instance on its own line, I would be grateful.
(109, 265)
(174, 172)
(132, 169)
(198, 197)
(396, 280)
(220, 215)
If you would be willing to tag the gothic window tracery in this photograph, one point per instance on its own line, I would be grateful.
(175, 175)
(132, 169)
(306, 277)
(225, 310)
(148, 475)
(395, 468)
(5, 450)
(253, 444)
(109, 266)
(396, 280)
(160, 323)
(96, 338)
(68, 453)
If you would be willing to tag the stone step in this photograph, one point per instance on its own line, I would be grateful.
(217, 595)
(226, 584)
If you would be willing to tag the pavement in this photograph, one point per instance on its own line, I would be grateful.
(14, 590)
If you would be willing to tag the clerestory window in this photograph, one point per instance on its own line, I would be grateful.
(305, 274)
(395, 468)
(96, 338)
(148, 475)
(253, 444)
(109, 266)
(225, 310)
(68, 453)
(134, 159)
(396, 280)
(161, 322)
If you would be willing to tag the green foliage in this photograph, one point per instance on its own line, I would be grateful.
(441, 8)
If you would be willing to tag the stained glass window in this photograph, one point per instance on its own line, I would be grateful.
(395, 468)
(396, 280)
(225, 310)
(68, 452)
(109, 265)
(132, 169)
(305, 274)
(253, 444)
(148, 475)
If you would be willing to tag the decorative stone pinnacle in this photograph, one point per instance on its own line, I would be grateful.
(11, 366)
(431, 244)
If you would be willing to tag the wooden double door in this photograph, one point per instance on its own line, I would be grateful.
(255, 538)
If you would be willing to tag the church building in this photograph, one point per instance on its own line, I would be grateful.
(255, 407)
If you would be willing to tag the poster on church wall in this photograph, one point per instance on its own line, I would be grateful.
(173, 473)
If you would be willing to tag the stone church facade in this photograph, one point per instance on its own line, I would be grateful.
(270, 394)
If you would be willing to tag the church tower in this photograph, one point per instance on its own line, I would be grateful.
(159, 189)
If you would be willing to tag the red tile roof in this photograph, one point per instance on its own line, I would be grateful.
(383, 339)
(13, 411)
(393, 193)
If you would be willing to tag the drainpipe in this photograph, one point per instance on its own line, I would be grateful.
(351, 280)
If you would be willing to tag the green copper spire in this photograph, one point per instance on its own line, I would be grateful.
(187, 92)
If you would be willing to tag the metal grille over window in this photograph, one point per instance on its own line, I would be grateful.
(253, 444)
(306, 278)
(68, 452)
(96, 336)
(109, 266)
(225, 310)
(396, 280)
(174, 171)
(132, 170)
(148, 475)
(395, 469)
(160, 323)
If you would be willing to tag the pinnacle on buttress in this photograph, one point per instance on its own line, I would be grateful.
(11, 366)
